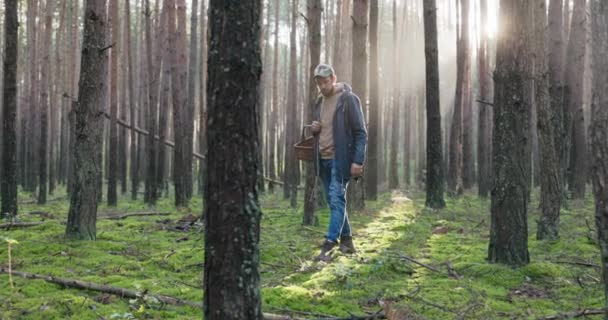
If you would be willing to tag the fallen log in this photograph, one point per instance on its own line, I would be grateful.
(19, 225)
(134, 214)
(576, 314)
(121, 292)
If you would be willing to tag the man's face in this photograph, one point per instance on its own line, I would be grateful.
(326, 85)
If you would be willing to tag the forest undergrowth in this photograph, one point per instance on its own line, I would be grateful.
(426, 264)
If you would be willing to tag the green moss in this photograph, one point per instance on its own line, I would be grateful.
(144, 253)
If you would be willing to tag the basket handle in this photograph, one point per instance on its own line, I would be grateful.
(303, 129)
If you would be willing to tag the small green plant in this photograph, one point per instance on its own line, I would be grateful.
(10, 242)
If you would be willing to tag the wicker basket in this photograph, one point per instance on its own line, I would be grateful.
(304, 148)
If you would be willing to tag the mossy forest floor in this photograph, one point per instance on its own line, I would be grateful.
(161, 255)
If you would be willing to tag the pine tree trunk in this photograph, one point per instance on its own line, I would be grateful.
(548, 224)
(455, 183)
(272, 123)
(179, 73)
(31, 141)
(114, 24)
(133, 103)
(393, 177)
(191, 103)
(163, 57)
(45, 85)
(371, 186)
(574, 136)
(151, 194)
(356, 187)
(484, 141)
(434, 156)
(509, 224)
(203, 102)
(599, 129)
(468, 158)
(314, 38)
(290, 181)
(8, 183)
(232, 279)
(88, 125)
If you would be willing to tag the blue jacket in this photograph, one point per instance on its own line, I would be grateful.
(349, 133)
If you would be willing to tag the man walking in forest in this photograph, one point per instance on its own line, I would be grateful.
(339, 152)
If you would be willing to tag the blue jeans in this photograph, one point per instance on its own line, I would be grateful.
(335, 191)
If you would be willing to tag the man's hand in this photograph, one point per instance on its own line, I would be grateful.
(356, 170)
(315, 127)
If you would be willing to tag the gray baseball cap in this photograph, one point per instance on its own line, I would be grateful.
(324, 71)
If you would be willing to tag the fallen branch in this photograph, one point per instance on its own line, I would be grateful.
(135, 214)
(379, 315)
(418, 262)
(576, 314)
(146, 133)
(576, 263)
(19, 225)
(121, 292)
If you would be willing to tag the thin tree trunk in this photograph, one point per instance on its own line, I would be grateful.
(434, 174)
(163, 55)
(114, 24)
(88, 125)
(468, 158)
(8, 183)
(179, 74)
(484, 140)
(574, 137)
(151, 194)
(314, 38)
(203, 105)
(393, 178)
(356, 188)
(455, 186)
(191, 103)
(548, 225)
(272, 123)
(290, 189)
(133, 103)
(371, 187)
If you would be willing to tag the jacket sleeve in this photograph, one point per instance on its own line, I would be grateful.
(358, 131)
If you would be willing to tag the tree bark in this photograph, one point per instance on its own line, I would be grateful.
(371, 186)
(179, 74)
(434, 153)
(272, 123)
(232, 210)
(468, 158)
(393, 178)
(314, 38)
(356, 187)
(290, 174)
(163, 57)
(133, 103)
(455, 186)
(45, 74)
(550, 184)
(151, 194)
(509, 224)
(574, 135)
(484, 141)
(191, 103)
(88, 125)
(599, 130)
(114, 24)
(9, 111)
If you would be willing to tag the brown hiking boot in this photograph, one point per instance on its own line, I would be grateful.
(324, 255)
(346, 245)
